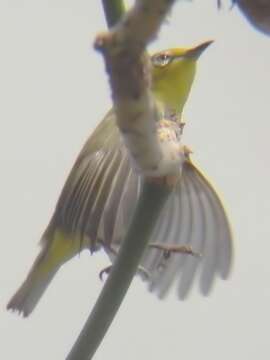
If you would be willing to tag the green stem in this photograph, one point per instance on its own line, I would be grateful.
(113, 10)
(126, 264)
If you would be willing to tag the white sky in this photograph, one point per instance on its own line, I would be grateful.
(53, 92)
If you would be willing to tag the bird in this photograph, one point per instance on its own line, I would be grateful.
(99, 198)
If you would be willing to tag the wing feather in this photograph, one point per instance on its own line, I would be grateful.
(197, 236)
(194, 216)
(224, 250)
(164, 274)
(161, 235)
(85, 193)
(209, 250)
(108, 217)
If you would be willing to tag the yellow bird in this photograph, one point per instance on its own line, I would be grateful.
(100, 195)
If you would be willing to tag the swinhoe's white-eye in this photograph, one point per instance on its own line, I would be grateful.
(99, 197)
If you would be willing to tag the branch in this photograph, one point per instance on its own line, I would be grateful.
(128, 68)
(121, 274)
(257, 12)
(113, 10)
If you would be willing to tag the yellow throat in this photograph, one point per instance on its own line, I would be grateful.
(173, 74)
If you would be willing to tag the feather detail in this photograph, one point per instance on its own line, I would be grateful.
(28, 295)
(194, 216)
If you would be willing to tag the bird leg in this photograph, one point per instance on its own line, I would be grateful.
(179, 249)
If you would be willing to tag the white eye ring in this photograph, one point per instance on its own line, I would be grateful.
(161, 60)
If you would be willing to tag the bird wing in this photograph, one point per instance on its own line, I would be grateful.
(98, 202)
(192, 216)
(87, 206)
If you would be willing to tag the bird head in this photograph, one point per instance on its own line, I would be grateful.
(173, 72)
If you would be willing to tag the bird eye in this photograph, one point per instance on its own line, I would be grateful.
(161, 59)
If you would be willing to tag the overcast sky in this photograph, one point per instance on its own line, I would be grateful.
(53, 92)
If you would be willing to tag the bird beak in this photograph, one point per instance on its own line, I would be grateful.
(196, 51)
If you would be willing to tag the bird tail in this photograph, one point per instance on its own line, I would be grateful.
(40, 275)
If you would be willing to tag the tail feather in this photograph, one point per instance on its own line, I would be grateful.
(28, 295)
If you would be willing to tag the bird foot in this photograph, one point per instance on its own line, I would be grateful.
(104, 271)
(143, 272)
(179, 249)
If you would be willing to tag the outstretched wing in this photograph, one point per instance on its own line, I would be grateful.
(99, 198)
(88, 205)
(193, 216)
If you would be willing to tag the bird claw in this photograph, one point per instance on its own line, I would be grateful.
(104, 271)
(143, 272)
